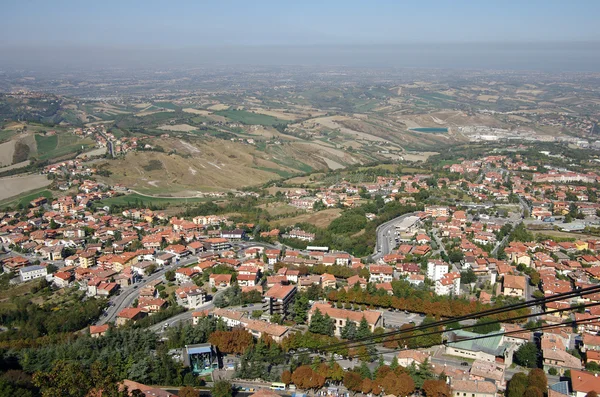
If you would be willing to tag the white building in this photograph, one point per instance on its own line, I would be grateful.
(32, 272)
(448, 285)
(436, 269)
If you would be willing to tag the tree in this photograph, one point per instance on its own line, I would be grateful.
(286, 377)
(221, 388)
(394, 363)
(552, 371)
(349, 331)
(592, 394)
(517, 385)
(526, 355)
(51, 268)
(170, 275)
(364, 370)
(468, 277)
(398, 385)
(305, 378)
(352, 381)
(64, 379)
(236, 341)
(456, 256)
(436, 388)
(220, 301)
(320, 324)
(482, 328)
(188, 391)
(532, 391)
(363, 330)
(276, 318)
(537, 378)
(300, 308)
(366, 386)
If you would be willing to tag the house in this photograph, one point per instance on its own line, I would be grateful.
(278, 299)
(304, 282)
(87, 259)
(560, 360)
(583, 382)
(185, 275)
(216, 244)
(129, 314)
(473, 388)
(407, 357)
(291, 275)
(231, 318)
(449, 284)
(195, 247)
(488, 371)
(62, 279)
(53, 253)
(152, 305)
(328, 280)
(190, 296)
(164, 259)
(514, 285)
(236, 234)
(356, 279)
(259, 328)
(220, 280)
(381, 273)
(32, 272)
(247, 280)
(178, 250)
(143, 268)
(340, 316)
(97, 331)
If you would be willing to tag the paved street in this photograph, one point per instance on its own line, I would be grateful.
(130, 293)
(386, 237)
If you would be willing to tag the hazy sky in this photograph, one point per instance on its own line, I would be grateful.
(172, 24)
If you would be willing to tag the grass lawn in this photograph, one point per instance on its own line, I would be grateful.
(245, 117)
(46, 144)
(26, 198)
(60, 145)
(167, 105)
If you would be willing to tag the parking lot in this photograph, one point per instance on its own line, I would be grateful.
(396, 319)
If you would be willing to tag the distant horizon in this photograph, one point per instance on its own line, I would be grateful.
(520, 56)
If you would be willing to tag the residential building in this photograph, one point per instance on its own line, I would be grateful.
(381, 273)
(278, 299)
(514, 285)
(129, 314)
(436, 269)
(473, 388)
(190, 296)
(583, 382)
(340, 316)
(220, 280)
(32, 272)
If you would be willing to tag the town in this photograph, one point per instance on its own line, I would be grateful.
(471, 236)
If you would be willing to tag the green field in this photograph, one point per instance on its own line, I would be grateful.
(46, 144)
(167, 105)
(244, 117)
(60, 145)
(24, 200)
(133, 197)
(435, 130)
